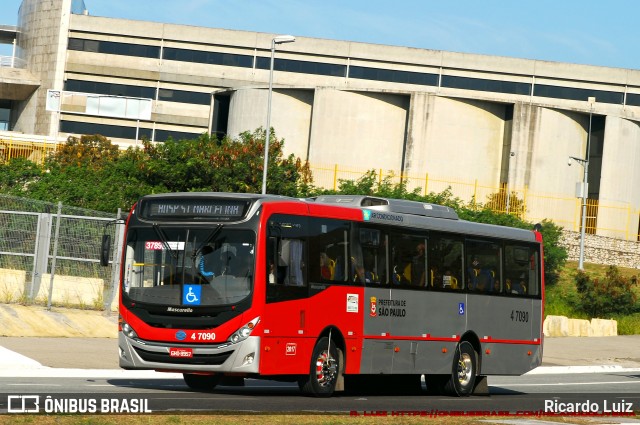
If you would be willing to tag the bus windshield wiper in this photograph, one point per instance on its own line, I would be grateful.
(209, 238)
(194, 253)
(165, 241)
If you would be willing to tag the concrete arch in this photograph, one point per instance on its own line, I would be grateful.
(363, 130)
(460, 139)
(290, 115)
(620, 178)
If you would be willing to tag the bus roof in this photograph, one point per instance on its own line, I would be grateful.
(397, 212)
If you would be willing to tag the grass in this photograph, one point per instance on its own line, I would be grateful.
(259, 419)
(562, 297)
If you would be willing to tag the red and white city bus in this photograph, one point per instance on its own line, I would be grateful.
(220, 285)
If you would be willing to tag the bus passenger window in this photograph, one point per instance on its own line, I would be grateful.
(521, 271)
(445, 263)
(483, 266)
(328, 250)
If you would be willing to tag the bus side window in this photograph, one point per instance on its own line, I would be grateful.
(482, 266)
(521, 271)
(328, 250)
(445, 263)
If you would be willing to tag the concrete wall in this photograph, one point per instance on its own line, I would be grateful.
(543, 139)
(563, 326)
(360, 129)
(42, 43)
(456, 138)
(602, 249)
(290, 115)
(620, 177)
(68, 291)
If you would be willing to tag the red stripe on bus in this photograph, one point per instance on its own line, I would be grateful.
(446, 339)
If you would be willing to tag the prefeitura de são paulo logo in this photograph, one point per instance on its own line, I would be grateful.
(373, 306)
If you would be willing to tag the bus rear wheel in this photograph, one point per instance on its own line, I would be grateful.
(201, 382)
(324, 370)
(464, 371)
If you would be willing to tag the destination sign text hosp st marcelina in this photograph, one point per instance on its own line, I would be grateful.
(196, 209)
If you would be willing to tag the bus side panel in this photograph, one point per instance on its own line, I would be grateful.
(286, 347)
(342, 307)
(510, 359)
(409, 329)
(292, 328)
(508, 327)
(403, 356)
(285, 355)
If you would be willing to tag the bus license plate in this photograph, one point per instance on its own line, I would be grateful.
(181, 352)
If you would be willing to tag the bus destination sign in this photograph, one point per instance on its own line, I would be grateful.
(196, 209)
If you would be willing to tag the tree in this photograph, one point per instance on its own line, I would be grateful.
(91, 172)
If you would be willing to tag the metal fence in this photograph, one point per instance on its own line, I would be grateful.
(34, 151)
(50, 254)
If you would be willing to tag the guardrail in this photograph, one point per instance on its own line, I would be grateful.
(12, 62)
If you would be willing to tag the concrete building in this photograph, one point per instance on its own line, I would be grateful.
(499, 121)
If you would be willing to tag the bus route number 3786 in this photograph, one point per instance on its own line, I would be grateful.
(203, 336)
(519, 316)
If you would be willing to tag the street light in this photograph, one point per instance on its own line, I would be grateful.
(585, 184)
(267, 137)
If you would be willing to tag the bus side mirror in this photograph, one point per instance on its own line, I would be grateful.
(105, 250)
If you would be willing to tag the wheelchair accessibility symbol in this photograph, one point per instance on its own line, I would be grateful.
(191, 294)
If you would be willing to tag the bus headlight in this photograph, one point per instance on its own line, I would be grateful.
(128, 331)
(244, 332)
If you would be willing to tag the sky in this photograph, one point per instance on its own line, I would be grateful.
(589, 32)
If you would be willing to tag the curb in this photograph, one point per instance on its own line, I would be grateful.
(548, 370)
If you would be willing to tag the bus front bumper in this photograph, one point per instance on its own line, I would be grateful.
(242, 357)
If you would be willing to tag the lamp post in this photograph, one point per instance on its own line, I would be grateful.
(267, 137)
(585, 184)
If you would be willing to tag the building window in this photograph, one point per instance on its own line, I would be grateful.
(572, 93)
(114, 48)
(480, 84)
(117, 131)
(303, 67)
(632, 99)
(170, 95)
(212, 58)
(110, 89)
(406, 77)
(163, 135)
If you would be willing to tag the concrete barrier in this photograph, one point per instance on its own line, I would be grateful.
(563, 326)
(69, 291)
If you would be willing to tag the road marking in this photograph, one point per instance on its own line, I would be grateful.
(493, 384)
(34, 385)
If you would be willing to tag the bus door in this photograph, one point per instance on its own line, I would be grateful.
(285, 318)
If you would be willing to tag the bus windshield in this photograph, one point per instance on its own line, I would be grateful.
(178, 266)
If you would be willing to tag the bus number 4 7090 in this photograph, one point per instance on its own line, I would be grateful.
(519, 316)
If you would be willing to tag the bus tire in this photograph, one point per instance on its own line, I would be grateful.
(464, 371)
(324, 369)
(201, 382)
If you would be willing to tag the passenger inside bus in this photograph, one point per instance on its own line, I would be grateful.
(327, 266)
(362, 275)
(418, 266)
(449, 281)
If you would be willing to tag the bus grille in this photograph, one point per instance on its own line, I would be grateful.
(197, 359)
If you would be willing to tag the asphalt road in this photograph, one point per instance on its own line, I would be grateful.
(102, 353)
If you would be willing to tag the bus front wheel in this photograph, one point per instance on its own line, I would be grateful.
(464, 370)
(201, 382)
(324, 370)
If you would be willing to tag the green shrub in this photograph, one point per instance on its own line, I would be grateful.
(611, 295)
